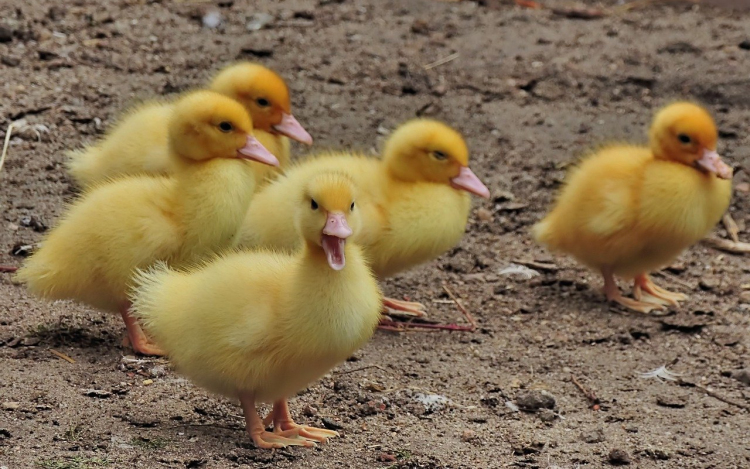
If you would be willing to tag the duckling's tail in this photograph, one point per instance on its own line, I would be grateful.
(83, 165)
(151, 293)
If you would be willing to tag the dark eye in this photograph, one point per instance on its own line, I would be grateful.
(313, 204)
(262, 102)
(226, 126)
(683, 138)
(439, 155)
(352, 207)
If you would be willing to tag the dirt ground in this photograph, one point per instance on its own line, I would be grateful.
(530, 90)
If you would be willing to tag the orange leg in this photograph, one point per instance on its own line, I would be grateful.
(138, 339)
(644, 283)
(283, 424)
(262, 438)
(8, 268)
(403, 308)
(613, 294)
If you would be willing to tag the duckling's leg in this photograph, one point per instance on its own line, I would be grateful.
(643, 282)
(613, 294)
(284, 425)
(262, 438)
(138, 339)
(404, 308)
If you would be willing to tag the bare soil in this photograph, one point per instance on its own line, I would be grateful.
(530, 90)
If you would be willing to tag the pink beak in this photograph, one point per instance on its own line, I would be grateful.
(337, 226)
(711, 162)
(255, 151)
(469, 182)
(333, 241)
(290, 127)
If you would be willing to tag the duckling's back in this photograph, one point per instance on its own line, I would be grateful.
(89, 258)
(136, 144)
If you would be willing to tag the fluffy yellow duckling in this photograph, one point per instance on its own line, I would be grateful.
(139, 142)
(627, 210)
(415, 200)
(261, 326)
(134, 221)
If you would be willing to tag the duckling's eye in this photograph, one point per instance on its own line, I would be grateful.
(313, 204)
(226, 126)
(683, 138)
(262, 102)
(439, 155)
(352, 207)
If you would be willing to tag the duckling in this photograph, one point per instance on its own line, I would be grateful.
(627, 210)
(415, 200)
(135, 221)
(262, 325)
(138, 144)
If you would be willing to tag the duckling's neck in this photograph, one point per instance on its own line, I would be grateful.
(342, 307)
(213, 197)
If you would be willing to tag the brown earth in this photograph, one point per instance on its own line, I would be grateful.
(530, 89)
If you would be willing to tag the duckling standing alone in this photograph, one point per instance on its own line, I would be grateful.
(132, 222)
(138, 144)
(415, 200)
(260, 326)
(627, 210)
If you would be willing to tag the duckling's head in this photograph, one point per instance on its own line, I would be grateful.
(328, 215)
(265, 96)
(206, 125)
(428, 150)
(685, 133)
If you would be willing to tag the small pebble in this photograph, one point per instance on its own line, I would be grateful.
(619, 457)
(535, 400)
(468, 435)
(386, 457)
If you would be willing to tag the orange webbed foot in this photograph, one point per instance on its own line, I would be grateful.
(139, 341)
(396, 307)
(643, 284)
(613, 294)
(284, 425)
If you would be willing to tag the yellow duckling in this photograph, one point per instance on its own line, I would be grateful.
(138, 144)
(628, 210)
(415, 200)
(261, 326)
(132, 222)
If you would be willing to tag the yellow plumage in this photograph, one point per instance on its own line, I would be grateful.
(262, 325)
(412, 214)
(628, 210)
(137, 144)
(131, 222)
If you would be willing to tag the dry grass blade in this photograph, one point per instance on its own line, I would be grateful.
(62, 355)
(5, 145)
(731, 227)
(461, 307)
(727, 245)
(442, 61)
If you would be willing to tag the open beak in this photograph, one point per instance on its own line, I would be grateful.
(333, 240)
(255, 151)
(469, 182)
(290, 127)
(711, 161)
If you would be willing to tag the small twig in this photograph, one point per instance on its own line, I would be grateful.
(442, 61)
(346, 372)
(731, 226)
(62, 355)
(595, 402)
(727, 245)
(8, 268)
(713, 394)
(674, 278)
(461, 307)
